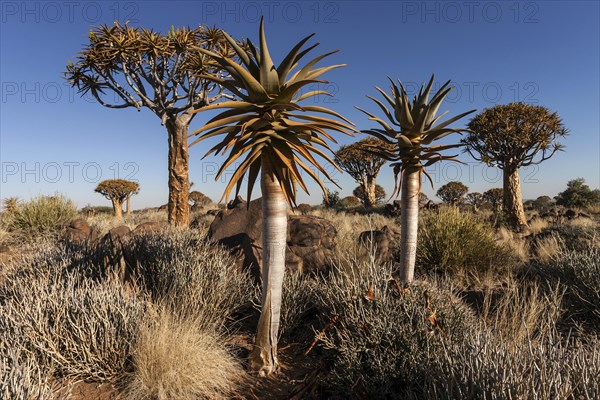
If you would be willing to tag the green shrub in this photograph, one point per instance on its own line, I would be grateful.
(380, 347)
(41, 216)
(454, 241)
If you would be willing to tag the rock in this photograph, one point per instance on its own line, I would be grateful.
(313, 239)
(118, 233)
(304, 208)
(310, 240)
(199, 199)
(382, 241)
(151, 227)
(214, 211)
(79, 231)
(164, 207)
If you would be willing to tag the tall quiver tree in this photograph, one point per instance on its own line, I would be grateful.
(363, 165)
(279, 138)
(413, 127)
(123, 67)
(117, 191)
(512, 136)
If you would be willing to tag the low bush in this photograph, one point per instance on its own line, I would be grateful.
(453, 241)
(191, 276)
(41, 216)
(81, 328)
(381, 337)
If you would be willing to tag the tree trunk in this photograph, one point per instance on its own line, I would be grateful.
(409, 223)
(370, 194)
(118, 207)
(263, 357)
(512, 201)
(178, 207)
(128, 207)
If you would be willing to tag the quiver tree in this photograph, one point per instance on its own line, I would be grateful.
(512, 136)
(117, 191)
(123, 67)
(494, 197)
(359, 192)
(474, 199)
(363, 166)
(411, 127)
(279, 137)
(452, 193)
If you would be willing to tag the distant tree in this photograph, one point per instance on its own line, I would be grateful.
(494, 197)
(452, 192)
(475, 199)
(331, 198)
(578, 194)
(512, 136)
(543, 202)
(117, 191)
(423, 199)
(363, 166)
(366, 199)
(164, 73)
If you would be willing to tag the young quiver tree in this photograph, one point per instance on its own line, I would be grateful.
(117, 191)
(363, 166)
(411, 127)
(512, 136)
(123, 67)
(272, 135)
(453, 193)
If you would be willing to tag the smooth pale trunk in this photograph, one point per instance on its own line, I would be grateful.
(263, 357)
(118, 207)
(512, 201)
(409, 223)
(178, 207)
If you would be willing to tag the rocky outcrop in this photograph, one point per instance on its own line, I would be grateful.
(310, 240)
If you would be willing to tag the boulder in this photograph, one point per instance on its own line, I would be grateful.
(151, 227)
(383, 242)
(79, 231)
(310, 240)
(117, 233)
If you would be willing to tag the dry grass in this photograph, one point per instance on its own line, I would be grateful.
(547, 248)
(537, 225)
(518, 247)
(174, 360)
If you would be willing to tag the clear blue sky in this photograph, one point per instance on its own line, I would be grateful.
(541, 52)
